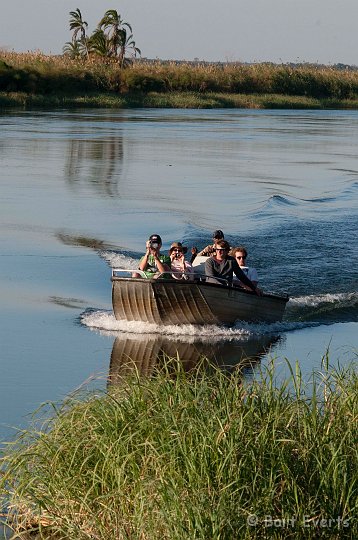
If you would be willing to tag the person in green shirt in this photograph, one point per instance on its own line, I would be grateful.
(153, 263)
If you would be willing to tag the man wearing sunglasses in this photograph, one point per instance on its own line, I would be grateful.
(221, 268)
(240, 254)
(210, 249)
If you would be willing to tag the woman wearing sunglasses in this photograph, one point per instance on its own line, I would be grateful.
(182, 269)
(221, 267)
(240, 254)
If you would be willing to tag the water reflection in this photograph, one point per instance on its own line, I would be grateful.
(143, 353)
(99, 162)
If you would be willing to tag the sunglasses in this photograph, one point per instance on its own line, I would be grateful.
(241, 257)
(177, 251)
(220, 249)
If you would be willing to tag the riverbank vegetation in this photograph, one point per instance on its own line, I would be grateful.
(35, 80)
(198, 455)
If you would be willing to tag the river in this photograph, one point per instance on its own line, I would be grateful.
(81, 191)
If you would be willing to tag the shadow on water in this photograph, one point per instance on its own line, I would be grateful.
(83, 241)
(142, 355)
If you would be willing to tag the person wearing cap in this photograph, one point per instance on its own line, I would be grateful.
(153, 263)
(210, 249)
(221, 267)
(181, 268)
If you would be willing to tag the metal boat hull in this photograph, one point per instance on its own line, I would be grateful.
(180, 302)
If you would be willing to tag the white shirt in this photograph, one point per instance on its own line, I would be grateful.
(251, 273)
(177, 267)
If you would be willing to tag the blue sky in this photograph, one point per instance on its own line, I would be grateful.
(323, 31)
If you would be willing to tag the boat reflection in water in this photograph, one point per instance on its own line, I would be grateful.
(144, 353)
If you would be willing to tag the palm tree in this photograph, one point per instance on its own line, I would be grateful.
(112, 22)
(78, 25)
(72, 49)
(112, 38)
(118, 40)
(98, 43)
(127, 43)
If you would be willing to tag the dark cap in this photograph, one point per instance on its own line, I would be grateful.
(218, 235)
(155, 238)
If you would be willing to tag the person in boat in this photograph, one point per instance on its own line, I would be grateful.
(221, 267)
(240, 254)
(153, 263)
(210, 249)
(182, 269)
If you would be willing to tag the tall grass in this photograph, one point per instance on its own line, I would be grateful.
(35, 73)
(193, 456)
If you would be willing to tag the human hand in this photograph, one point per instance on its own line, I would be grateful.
(259, 292)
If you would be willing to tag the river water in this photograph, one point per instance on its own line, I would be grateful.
(81, 191)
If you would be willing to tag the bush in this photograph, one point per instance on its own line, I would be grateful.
(134, 81)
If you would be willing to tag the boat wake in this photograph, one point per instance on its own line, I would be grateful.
(105, 323)
(324, 299)
(325, 308)
(119, 260)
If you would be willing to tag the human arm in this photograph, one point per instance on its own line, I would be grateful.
(180, 267)
(251, 273)
(161, 265)
(153, 258)
(207, 251)
(189, 271)
(194, 252)
(244, 279)
(253, 276)
(177, 264)
(144, 260)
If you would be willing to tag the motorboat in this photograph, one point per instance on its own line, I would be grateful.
(168, 301)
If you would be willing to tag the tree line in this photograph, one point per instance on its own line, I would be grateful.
(113, 38)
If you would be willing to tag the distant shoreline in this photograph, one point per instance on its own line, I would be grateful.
(177, 100)
(34, 80)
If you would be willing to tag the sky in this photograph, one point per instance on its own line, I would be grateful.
(319, 31)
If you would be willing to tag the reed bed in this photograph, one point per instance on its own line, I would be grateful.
(240, 85)
(192, 456)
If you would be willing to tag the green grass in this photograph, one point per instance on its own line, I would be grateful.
(192, 456)
(175, 100)
(36, 80)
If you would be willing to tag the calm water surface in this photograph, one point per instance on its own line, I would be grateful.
(82, 191)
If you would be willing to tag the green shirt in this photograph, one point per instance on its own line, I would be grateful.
(151, 268)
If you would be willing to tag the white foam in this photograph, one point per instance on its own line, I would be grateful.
(118, 260)
(319, 299)
(106, 323)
